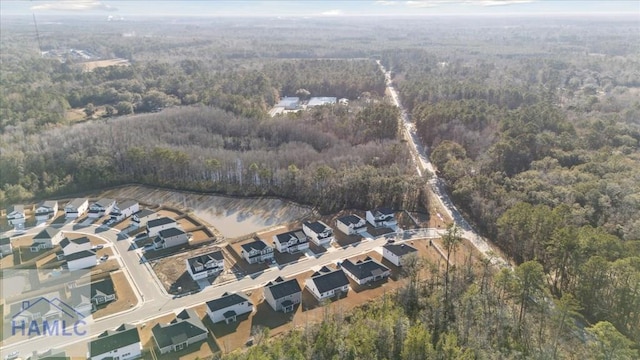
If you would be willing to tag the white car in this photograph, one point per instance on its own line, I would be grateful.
(12, 356)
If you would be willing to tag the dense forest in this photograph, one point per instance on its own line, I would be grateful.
(532, 124)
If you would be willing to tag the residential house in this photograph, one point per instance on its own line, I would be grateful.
(228, 307)
(322, 100)
(289, 103)
(186, 329)
(46, 210)
(123, 343)
(156, 225)
(15, 216)
(76, 208)
(203, 266)
(365, 271)
(45, 307)
(5, 246)
(47, 239)
(395, 253)
(143, 216)
(291, 242)
(381, 217)
(124, 209)
(320, 233)
(326, 283)
(351, 224)
(101, 208)
(283, 295)
(51, 354)
(81, 260)
(86, 299)
(257, 252)
(170, 237)
(75, 245)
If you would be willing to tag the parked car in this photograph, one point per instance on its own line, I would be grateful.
(97, 247)
(104, 257)
(12, 356)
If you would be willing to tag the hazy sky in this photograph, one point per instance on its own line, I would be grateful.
(315, 8)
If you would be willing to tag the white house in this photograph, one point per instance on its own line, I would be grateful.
(5, 246)
(365, 271)
(203, 266)
(186, 329)
(257, 252)
(143, 216)
(351, 224)
(283, 295)
(47, 239)
(81, 260)
(46, 210)
(76, 208)
(156, 225)
(170, 237)
(320, 233)
(85, 299)
(381, 217)
(73, 246)
(16, 217)
(123, 343)
(124, 209)
(228, 307)
(396, 252)
(291, 242)
(326, 283)
(101, 208)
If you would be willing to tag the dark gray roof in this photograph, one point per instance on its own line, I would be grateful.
(329, 281)
(225, 301)
(80, 255)
(126, 204)
(108, 341)
(65, 242)
(400, 249)
(258, 245)
(286, 237)
(364, 269)
(51, 354)
(103, 287)
(186, 325)
(382, 211)
(47, 233)
(282, 288)
(104, 202)
(144, 212)
(350, 219)
(170, 232)
(204, 258)
(49, 204)
(12, 208)
(5, 240)
(76, 203)
(317, 226)
(160, 221)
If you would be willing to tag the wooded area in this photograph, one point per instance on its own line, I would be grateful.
(534, 126)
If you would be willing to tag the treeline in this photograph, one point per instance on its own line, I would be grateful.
(544, 158)
(467, 312)
(329, 157)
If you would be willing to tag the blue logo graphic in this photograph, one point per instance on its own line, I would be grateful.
(48, 317)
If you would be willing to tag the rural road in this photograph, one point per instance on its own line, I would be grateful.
(420, 158)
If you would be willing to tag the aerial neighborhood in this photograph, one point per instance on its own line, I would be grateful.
(114, 240)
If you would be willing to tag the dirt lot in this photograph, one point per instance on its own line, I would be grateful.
(126, 298)
(90, 65)
(232, 217)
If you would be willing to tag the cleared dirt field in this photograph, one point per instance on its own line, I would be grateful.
(90, 65)
(232, 217)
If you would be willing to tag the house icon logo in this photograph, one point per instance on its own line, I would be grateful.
(47, 317)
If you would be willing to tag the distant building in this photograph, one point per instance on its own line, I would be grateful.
(289, 103)
(15, 216)
(101, 208)
(351, 224)
(156, 225)
(381, 217)
(324, 100)
(5, 246)
(291, 242)
(320, 233)
(143, 216)
(257, 252)
(46, 210)
(47, 239)
(124, 209)
(170, 237)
